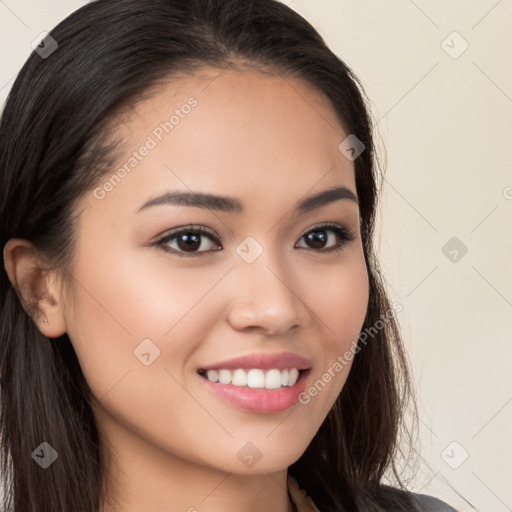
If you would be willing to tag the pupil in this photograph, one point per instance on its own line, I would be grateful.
(190, 242)
(317, 239)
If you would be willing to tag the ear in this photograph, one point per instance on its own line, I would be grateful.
(36, 287)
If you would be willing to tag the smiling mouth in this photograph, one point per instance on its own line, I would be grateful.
(256, 378)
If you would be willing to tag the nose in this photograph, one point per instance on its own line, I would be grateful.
(263, 297)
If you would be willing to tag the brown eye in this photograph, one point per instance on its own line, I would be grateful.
(323, 238)
(317, 239)
(189, 242)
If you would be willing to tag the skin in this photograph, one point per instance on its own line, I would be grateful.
(269, 142)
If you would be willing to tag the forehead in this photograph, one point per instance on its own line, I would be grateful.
(242, 133)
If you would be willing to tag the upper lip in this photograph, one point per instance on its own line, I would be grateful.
(279, 361)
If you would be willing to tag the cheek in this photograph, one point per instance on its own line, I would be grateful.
(340, 300)
(339, 297)
(120, 302)
(121, 309)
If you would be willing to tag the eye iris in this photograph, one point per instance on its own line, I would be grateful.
(190, 241)
(317, 238)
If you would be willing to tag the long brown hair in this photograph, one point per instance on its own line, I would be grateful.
(53, 150)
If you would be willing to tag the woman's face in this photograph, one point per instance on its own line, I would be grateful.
(159, 308)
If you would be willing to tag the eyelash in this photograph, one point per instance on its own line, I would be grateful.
(345, 234)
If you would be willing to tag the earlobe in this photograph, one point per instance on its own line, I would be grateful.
(36, 288)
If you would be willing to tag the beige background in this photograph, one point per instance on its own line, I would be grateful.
(445, 121)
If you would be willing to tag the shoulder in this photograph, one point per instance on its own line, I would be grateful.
(420, 502)
(427, 503)
(395, 500)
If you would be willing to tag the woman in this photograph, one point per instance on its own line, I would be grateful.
(192, 313)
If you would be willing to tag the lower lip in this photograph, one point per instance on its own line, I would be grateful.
(260, 400)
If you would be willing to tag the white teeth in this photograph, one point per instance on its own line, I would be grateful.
(213, 375)
(293, 375)
(255, 377)
(239, 378)
(273, 379)
(224, 376)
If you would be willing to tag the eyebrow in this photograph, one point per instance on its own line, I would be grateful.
(233, 205)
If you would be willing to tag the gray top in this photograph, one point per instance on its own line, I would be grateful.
(423, 502)
(430, 504)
